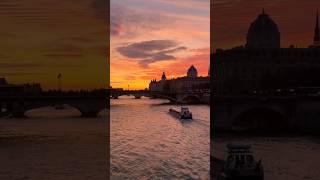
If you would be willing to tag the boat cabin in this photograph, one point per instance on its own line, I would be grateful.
(239, 155)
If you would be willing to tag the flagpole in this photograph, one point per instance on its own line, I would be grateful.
(59, 81)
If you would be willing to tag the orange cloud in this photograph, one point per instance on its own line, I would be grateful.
(159, 36)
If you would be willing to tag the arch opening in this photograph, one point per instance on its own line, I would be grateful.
(52, 112)
(191, 100)
(260, 120)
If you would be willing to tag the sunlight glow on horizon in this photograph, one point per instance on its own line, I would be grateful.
(151, 37)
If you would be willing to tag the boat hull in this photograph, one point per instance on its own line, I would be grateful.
(249, 175)
(177, 114)
(245, 178)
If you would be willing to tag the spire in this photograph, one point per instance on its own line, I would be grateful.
(163, 78)
(317, 22)
(316, 39)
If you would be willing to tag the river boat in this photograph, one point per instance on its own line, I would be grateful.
(183, 114)
(240, 164)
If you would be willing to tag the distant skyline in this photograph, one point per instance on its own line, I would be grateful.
(295, 18)
(152, 36)
(41, 38)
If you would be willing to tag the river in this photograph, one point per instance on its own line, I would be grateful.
(148, 143)
(53, 145)
(284, 156)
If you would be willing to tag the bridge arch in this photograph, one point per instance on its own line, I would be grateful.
(263, 119)
(57, 111)
(190, 99)
(18, 107)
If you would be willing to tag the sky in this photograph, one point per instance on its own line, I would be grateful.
(232, 18)
(149, 37)
(41, 38)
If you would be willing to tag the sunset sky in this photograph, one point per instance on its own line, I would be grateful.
(41, 38)
(152, 36)
(295, 19)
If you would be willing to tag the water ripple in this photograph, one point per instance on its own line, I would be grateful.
(148, 143)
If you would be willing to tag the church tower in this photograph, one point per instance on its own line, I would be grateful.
(163, 78)
(316, 39)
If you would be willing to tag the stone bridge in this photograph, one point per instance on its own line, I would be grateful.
(89, 106)
(292, 113)
(191, 97)
(181, 97)
(115, 93)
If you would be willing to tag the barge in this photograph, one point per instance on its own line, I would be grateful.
(241, 165)
(183, 114)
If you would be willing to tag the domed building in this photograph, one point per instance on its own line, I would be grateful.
(192, 72)
(181, 84)
(263, 33)
(262, 66)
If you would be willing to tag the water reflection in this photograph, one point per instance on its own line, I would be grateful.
(148, 143)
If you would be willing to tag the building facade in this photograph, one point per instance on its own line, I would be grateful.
(190, 82)
(261, 65)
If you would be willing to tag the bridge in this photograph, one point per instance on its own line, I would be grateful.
(116, 93)
(186, 97)
(275, 113)
(18, 105)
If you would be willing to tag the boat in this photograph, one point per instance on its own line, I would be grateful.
(183, 114)
(240, 164)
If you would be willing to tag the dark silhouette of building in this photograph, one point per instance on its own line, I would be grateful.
(163, 78)
(18, 89)
(316, 39)
(262, 65)
(192, 72)
(263, 33)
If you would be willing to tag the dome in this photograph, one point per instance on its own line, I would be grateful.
(263, 33)
(192, 72)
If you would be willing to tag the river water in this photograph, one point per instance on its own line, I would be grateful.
(294, 157)
(53, 145)
(148, 143)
